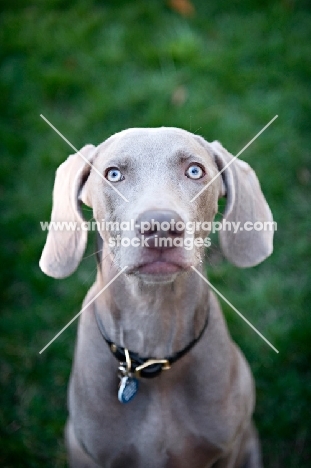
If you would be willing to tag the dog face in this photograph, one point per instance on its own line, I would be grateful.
(159, 172)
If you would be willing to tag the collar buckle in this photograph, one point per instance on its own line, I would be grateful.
(165, 365)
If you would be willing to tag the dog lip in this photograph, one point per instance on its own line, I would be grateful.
(158, 267)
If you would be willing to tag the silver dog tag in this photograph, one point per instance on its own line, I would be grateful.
(127, 389)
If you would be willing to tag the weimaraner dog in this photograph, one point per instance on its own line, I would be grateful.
(157, 381)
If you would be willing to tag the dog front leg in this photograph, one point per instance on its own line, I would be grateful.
(77, 457)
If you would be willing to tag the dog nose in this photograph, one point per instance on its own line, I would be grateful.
(160, 227)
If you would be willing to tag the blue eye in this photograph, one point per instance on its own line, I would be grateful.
(194, 172)
(114, 175)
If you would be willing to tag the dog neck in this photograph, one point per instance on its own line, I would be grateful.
(152, 319)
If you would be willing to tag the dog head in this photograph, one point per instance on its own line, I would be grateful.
(143, 186)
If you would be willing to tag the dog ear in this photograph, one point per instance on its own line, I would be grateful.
(245, 203)
(64, 248)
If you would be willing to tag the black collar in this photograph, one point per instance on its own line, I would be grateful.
(147, 367)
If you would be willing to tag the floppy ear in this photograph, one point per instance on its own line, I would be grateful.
(63, 249)
(245, 202)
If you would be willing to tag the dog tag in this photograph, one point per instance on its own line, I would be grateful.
(128, 389)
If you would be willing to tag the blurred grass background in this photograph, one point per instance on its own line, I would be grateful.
(222, 69)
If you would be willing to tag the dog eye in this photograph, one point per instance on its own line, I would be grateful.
(194, 172)
(114, 175)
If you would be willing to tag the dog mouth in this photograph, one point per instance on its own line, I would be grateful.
(158, 268)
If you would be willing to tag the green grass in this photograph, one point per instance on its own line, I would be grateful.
(94, 68)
